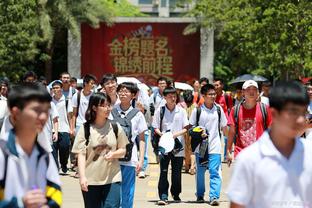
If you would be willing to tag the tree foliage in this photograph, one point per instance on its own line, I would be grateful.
(270, 38)
(30, 28)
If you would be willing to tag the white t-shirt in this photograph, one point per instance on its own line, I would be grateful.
(308, 132)
(3, 109)
(174, 121)
(138, 126)
(263, 177)
(265, 100)
(83, 106)
(63, 123)
(209, 119)
(159, 100)
(42, 139)
(48, 127)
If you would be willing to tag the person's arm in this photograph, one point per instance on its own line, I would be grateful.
(142, 152)
(234, 205)
(82, 172)
(55, 129)
(73, 121)
(179, 133)
(230, 142)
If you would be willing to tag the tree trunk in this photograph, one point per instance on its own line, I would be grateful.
(48, 65)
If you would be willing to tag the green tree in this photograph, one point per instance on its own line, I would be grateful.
(270, 38)
(31, 29)
(19, 35)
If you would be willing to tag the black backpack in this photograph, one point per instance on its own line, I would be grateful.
(155, 136)
(126, 124)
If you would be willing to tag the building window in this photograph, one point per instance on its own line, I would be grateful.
(145, 1)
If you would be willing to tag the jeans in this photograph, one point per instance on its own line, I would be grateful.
(61, 149)
(214, 167)
(102, 196)
(145, 163)
(127, 186)
(176, 180)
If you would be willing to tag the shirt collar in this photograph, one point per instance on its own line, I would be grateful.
(267, 147)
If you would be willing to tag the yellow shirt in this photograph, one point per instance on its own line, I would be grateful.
(98, 170)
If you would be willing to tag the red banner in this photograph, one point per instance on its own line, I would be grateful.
(142, 50)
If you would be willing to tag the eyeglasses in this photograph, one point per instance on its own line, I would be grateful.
(211, 94)
(124, 92)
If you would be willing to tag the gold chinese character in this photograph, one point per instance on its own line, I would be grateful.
(135, 64)
(161, 46)
(131, 46)
(167, 65)
(148, 65)
(147, 47)
(121, 64)
(115, 48)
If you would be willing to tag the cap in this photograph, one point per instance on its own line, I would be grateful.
(249, 83)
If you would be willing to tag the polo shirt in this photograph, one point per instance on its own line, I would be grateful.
(263, 177)
(173, 121)
(63, 122)
(209, 119)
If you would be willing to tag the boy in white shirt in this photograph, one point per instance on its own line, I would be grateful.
(276, 170)
(175, 121)
(126, 92)
(212, 119)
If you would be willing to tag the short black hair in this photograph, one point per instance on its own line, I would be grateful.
(57, 82)
(96, 99)
(108, 77)
(285, 92)
(87, 78)
(73, 79)
(133, 88)
(204, 79)
(162, 79)
(29, 74)
(188, 96)
(218, 79)
(169, 90)
(206, 88)
(23, 93)
(64, 73)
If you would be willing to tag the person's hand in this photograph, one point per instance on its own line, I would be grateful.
(72, 132)
(229, 158)
(139, 166)
(109, 156)
(34, 198)
(54, 137)
(83, 184)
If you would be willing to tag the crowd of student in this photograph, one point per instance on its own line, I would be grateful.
(104, 132)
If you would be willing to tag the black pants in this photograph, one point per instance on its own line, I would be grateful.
(163, 184)
(102, 196)
(61, 148)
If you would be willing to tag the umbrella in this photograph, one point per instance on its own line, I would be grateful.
(128, 79)
(246, 77)
(183, 86)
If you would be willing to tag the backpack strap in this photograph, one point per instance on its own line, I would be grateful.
(86, 127)
(236, 112)
(162, 114)
(78, 102)
(219, 119)
(198, 112)
(115, 129)
(132, 113)
(5, 152)
(264, 115)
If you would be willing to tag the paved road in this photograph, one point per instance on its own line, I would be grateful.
(146, 190)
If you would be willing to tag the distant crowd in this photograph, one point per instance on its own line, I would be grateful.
(99, 131)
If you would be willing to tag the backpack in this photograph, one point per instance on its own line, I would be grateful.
(126, 125)
(264, 114)
(155, 136)
(198, 112)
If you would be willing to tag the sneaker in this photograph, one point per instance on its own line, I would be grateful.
(200, 199)
(162, 202)
(176, 199)
(141, 174)
(214, 202)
